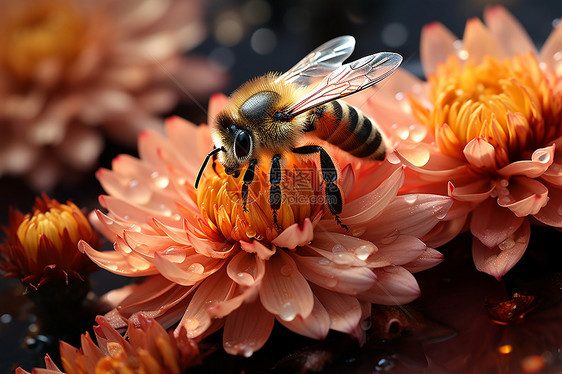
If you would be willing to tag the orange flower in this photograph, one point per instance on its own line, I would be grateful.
(486, 129)
(70, 69)
(149, 350)
(42, 247)
(211, 264)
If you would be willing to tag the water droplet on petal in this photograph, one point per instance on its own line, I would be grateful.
(191, 323)
(384, 364)
(362, 252)
(286, 270)
(196, 268)
(247, 351)
(399, 96)
(393, 158)
(324, 261)
(288, 311)
(411, 198)
(441, 213)
(174, 254)
(358, 231)
(338, 248)
(507, 244)
(366, 324)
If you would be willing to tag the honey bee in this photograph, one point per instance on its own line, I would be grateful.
(267, 116)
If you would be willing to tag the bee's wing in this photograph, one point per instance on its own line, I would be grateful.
(320, 62)
(348, 79)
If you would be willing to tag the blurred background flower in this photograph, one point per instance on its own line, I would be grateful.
(74, 72)
(212, 264)
(149, 349)
(41, 248)
(486, 129)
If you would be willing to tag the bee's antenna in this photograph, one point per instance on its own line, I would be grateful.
(204, 165)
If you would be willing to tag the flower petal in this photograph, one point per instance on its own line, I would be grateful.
(247, 329)
(344, 310)
(508, 31)
(551, 48)
(473, 193)
(329, 275)
(480, 153)
(551, 213)
(492, 224)
(284, 291)
(436, 44)
(294, 236)
(540, 161)
(315, 326)
(118, 263)
(428, 259)
(479, 42)
(498, 260)
(525, 196)
(396, 251)
(394, 286)
(342, 249)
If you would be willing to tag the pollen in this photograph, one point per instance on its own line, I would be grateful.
(512, 104)
(220, 201)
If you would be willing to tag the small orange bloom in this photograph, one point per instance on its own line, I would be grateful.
(42, 247)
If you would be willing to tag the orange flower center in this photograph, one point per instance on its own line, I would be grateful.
(51, 224)
(32, 32)
(514, 105)
(220, 200)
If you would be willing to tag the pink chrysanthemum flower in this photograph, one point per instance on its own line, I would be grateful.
(211, 264)
(485, 129)
(149, 349)
(70, 68)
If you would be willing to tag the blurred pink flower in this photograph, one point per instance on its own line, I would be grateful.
(486, 129)
(69, 69)
(149, 349)
(211, 265)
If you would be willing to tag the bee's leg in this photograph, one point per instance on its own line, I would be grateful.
(248, 178)
(275, 189)
(330, 175)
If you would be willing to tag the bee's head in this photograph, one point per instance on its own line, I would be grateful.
(237, 141)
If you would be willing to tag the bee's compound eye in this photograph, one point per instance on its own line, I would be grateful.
(242, 145)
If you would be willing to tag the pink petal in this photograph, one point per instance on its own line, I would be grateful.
(364, 209)
(554, 173)
(326, 274)
(551, 213)
(190, 271)
(413, 215)
(540, 161)
(131, 265)
(525, 196)
(394, 286)
(479, 42)
(294, 236)
(344, 310)
(247, 329)
(551, 48)
(480, 153)
(214, 289)
(429, 161)
(500, 259)
(258, 248)
(428, 259)
(436, 44)
(492, 224)
(217, 103)
(284, 291)
(508, 31)
(246, 269)
(445, 231)
(473, 193)
(342, 249)
(179, 131)
(315, 326)
(396, 251)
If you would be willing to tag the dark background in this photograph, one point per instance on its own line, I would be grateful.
(265, 36)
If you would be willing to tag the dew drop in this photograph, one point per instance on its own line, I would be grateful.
(399, 96)
(288, 311)
(441, 213)
(384, 364)
(191, 324)
(330, 281)
(324, 261)
(174, 254)
(362, 252)
(557, 56)
(504, 182)
(393, 158)
(507, 244)
(338, 249)
(358, 231)
(247, 351)
(286, 270)
(366, 324)
(411, 198)
(196, 268)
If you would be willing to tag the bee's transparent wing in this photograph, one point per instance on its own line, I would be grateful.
(348, 79)
(320, 62)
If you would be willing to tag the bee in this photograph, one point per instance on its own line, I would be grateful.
(268, 116)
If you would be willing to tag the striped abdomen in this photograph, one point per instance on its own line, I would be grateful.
(347, 128)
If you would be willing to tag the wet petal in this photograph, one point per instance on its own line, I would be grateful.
(247, 329)
(551, 213)
(526, 196)
(294, 236)
(315, 326)
(394, 286)
(492, 224)
(344, 311)
(480, 153)
(498, 260)
(284, 291)
(540, 161)
(473, 193)
(397, 251)
(428, 259)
